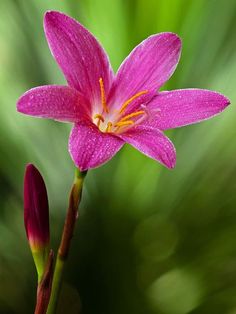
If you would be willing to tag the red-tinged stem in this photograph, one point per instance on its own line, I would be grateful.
(67, 234)
(44, 287)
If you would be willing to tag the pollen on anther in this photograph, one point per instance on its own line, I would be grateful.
(99, 117)
(109, 126)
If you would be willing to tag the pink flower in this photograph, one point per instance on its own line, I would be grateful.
(109, 110)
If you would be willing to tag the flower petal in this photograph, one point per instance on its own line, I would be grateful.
(182, 107)
(148, 66)
(152, 143)
(80, 56)
(89, 147)
(53, 102)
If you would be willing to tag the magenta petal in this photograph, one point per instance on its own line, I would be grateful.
(152, 143)
(53, 102)
(78, 53)
(182, 107)
(89, 147)
(148, 66)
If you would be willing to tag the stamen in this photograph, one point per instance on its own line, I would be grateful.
(103, 95)
(100, 118)
(109, 126)
(125, 104)
(131, 115)
(123, 123)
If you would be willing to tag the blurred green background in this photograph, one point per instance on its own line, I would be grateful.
(148, 240)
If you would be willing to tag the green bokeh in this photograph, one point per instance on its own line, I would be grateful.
(149, 240)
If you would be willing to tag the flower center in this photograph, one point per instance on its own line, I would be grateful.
(114, 122)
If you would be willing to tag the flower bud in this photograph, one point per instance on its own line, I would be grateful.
(36, 217)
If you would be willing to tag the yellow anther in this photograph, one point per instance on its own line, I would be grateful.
(100, 118)
(125, 104)
(103, 95)
(131, 115)
(124, 123)
(109, 126)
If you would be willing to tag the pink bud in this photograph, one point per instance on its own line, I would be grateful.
(36, 211)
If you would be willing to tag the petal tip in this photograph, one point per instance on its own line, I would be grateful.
(50, 13)
(176, 42)
(171, 162)
(174, 37)
(50, 17)
(47, 15)
(222, 100)
(19, 105)
(226, 101)
(169, 36)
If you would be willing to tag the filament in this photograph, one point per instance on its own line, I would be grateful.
(103, 95)
(131, 115)
(124, 123)
(125, 104)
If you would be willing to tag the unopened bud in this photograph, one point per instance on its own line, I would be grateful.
(36, 217)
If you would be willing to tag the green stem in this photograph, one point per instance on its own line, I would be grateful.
(44, 286)
(67, 234)
(56, 285)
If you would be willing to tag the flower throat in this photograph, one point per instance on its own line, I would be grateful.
(120, 121)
